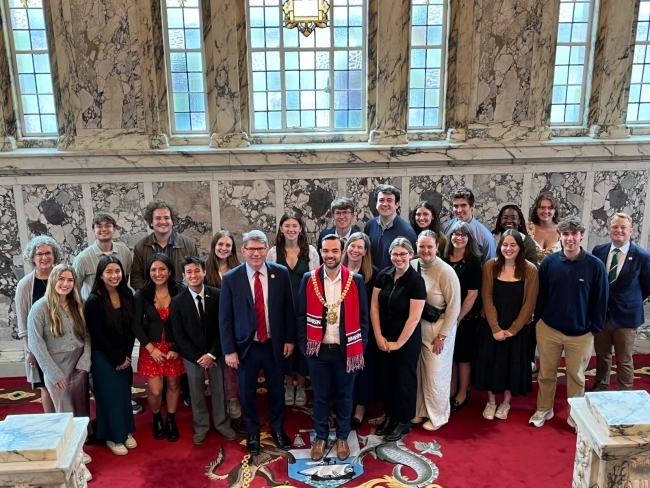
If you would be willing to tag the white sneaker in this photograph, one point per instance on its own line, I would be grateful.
(540, 417)
(234, 408)
(130, 443)
(490, 410)
(301, 396)
(502, 411)
(289, 398)
(428, 425)
(417, 420)
(87, 459)
(117, 449)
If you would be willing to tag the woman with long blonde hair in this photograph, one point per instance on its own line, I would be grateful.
(60, 342)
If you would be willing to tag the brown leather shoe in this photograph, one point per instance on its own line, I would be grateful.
(343, 449)
(318, 450)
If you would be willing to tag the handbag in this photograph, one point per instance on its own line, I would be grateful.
(429, 312)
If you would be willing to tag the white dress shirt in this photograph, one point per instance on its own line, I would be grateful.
(264, 278)
(621, 257)
(332, 290)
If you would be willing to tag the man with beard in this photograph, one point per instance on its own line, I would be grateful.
(332, 330)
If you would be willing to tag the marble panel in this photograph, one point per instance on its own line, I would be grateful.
(437, 190)
(124, 201)
(9, 261)
(621, 413)
(362, 193)
(617, 191)
(312, 199)
(246, 205)
(568, 188)
(492, 191)
(35, 437)
(57, 210)
(192, 202)
(106, 52)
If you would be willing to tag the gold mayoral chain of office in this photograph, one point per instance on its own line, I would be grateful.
(332, 317)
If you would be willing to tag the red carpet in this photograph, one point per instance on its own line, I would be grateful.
(475, 452)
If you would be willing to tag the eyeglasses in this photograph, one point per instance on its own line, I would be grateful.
(399, 255)
(342, 213)
(40, 255)
(253, 250)
(457, 235)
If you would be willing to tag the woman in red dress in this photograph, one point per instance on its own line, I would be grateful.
(159, 357)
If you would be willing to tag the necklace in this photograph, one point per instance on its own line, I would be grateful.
(332, 317)
(160, 299)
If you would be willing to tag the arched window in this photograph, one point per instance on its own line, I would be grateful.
(572, 62)
(314, 83)
(31, 63)
(183, 34)
(427, 70)
(638, 109)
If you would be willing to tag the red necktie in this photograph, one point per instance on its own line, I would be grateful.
(260, 313)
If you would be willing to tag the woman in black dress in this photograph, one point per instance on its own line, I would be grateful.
(357, 259)
(462, 253)
(509, 293)
(109, 312)
(397, 302)
(293, 251)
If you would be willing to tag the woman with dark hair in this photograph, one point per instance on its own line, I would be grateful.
(109, 312)
(294, 252)
(159, 358)
(462, 253)
(357, 259)
(425, 217)
(544, 217)
(511, 217)
(222, 259)
(509, 293)
(44, 253)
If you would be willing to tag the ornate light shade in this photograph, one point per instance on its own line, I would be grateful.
(306, 15)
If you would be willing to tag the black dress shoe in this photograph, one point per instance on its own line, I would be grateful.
(455, 406)
(158, 427)
(281, 439)
(386, 426)
(399, 430)
(355, 423)
(239, 428)
(171, 428)
(253, 444)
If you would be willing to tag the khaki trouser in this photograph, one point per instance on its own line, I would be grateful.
(622, 339)
(577, 352)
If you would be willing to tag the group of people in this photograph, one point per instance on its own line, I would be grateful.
(411, 314)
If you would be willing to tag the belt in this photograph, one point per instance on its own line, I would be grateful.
(330, 346)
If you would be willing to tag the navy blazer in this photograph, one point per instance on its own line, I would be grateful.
(631, 288)
(237, 320)
(192, 338)
(302, 313)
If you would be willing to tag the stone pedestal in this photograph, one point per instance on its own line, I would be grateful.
(42, 450)
(613, 445)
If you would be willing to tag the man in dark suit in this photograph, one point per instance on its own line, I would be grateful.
(257, 323)
(628, 272)
(342, 210)
(195, 315)
(332, 330)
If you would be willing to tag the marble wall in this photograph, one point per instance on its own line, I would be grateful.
(124, 201)
(10, 261)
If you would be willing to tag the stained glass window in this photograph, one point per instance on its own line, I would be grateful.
(426, 80)
(314, 83)
(184, 55)
(32, 65)
(571, 62)
(638, 109)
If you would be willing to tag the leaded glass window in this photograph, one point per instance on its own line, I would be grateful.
(638, 109)
(571, 62)
(31, 63)
(426, 76)
(185, 73)
(307, 83)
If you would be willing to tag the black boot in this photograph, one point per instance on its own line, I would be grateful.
(158, 426)
(170, 427)
(386, 426)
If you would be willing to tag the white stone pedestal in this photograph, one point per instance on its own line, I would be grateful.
(613, 445)
(43, 450)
